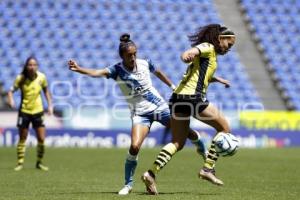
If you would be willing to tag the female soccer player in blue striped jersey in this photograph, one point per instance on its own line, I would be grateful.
(145, 103)
(189, 99)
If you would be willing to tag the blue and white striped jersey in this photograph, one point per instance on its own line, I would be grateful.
(137, 87)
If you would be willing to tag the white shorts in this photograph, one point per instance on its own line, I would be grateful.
(161, 115)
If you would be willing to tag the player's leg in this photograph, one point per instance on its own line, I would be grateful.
(22, 124)
(39, 127)
(21, 148)
(139, 132)
(195, 138)
(180, 131)
(213, 117)
(40, 132)
(164, 117)
(164, 138)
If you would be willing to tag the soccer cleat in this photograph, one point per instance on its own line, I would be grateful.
(42, 167)
(150, 184)
(209, 174)
(125, 190)
(19, 167)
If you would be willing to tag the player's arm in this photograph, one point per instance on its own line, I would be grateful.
(49, 100)
(163, 77)
(204, 50)
(189, 55)
(220, 80)
(10, 99)
(10, 96)
(73, 66)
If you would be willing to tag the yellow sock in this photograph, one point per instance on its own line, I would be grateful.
(163, 157)
(40, 151)
(212, 157)
(21, 151)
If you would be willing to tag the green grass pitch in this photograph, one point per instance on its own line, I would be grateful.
(267, 174)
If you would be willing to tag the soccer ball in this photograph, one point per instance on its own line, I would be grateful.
(226, 144)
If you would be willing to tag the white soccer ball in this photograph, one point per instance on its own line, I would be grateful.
(226, 144)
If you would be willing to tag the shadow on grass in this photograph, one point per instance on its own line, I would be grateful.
(137, 193)
(85, 192)
(180, 192)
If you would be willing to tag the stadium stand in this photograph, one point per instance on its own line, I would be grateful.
(277, 23)
(57, 30)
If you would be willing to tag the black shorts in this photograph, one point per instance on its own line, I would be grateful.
(187, 104)
(25, 119)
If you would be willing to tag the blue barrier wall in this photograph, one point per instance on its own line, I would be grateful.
(115, 138)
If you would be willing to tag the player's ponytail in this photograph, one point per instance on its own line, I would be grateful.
(210, 33)
(125, 37)
(125, 42)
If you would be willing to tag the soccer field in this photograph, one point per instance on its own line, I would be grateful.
(98, 174)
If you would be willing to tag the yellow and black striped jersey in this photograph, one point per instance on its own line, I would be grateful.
(31, 101)
(199, 72)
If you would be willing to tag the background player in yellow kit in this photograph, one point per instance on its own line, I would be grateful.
(31, 82)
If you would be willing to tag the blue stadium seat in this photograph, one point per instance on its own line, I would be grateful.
(88, 32)
(278, 23)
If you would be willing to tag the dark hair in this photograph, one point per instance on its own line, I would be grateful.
(210, 34)
(24, 71)
(125, 43)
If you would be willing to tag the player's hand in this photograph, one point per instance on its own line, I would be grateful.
(226, 83)
(189, 57)
(11, 104)
(173, 87)
(50, 110)
(73, 65)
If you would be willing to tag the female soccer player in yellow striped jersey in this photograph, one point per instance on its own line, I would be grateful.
(31, 82)
(189, 99)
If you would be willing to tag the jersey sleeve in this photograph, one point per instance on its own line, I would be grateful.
(112, 72)
(152, 67)
(16, 84)
(206, 49)
(44, 82)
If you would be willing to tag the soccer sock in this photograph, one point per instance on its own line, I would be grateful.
(21, 151)
(130, 166)
(40, 151)
(163, 157)
(199, 144)
(212, 157)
